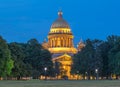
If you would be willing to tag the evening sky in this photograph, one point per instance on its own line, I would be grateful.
(21, 20)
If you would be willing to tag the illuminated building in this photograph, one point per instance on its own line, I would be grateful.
(60, 44)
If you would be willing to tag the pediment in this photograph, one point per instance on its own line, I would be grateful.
(64, 57)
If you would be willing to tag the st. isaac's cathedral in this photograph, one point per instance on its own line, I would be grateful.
(60, 44)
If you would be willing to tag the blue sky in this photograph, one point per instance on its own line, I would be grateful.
(21, 20)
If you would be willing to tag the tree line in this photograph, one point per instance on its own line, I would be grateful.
(24, 59)
(103, 56)
(29, 59)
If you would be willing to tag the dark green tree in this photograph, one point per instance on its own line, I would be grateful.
(114, 52)
(88, 59)
(104, 48)
(56, 68)
(82, 61)
(6, 63)
(97, 59)
(38, 58)
(20, 68)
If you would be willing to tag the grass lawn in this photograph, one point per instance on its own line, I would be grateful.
(61, 83)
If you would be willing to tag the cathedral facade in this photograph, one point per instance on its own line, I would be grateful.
(60, 44)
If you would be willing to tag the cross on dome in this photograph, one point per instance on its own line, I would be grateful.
(60, 13)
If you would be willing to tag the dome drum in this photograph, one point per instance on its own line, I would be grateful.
(60, 33)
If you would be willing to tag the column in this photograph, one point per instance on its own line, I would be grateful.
(59, 44)
(70, 42)
(63, 42)
(57, 41)
(67, 42)
(54, 42)
(49, 42)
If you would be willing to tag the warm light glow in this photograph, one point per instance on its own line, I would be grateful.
(62, 50)
(60, 41)
(66, 62)
(65, 30)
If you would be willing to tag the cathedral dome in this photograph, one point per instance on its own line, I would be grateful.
(60, 22)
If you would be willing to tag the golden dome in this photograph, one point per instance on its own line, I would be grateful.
(60, 22)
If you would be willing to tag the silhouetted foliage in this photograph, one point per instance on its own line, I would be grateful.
(30, 59)
(6, 63)
(101, 55)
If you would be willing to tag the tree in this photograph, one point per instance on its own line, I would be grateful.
(38, 58)
(97, 59)
(6, 63)
(20, 68)
(57, 68)
(104, 48)
(82, 61)
(46, 61)
(88, 59)
(113, 55)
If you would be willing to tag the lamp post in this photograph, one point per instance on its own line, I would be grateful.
(45, 73)
(86, 74)
(77, 75)
(96, 71)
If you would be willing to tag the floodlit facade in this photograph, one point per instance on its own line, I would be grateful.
(60, 44)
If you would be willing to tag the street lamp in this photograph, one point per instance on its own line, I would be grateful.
(77, 75)
(45, 73)
(96, 71)
(86, 74)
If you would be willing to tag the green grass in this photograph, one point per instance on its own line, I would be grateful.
(61, 83)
